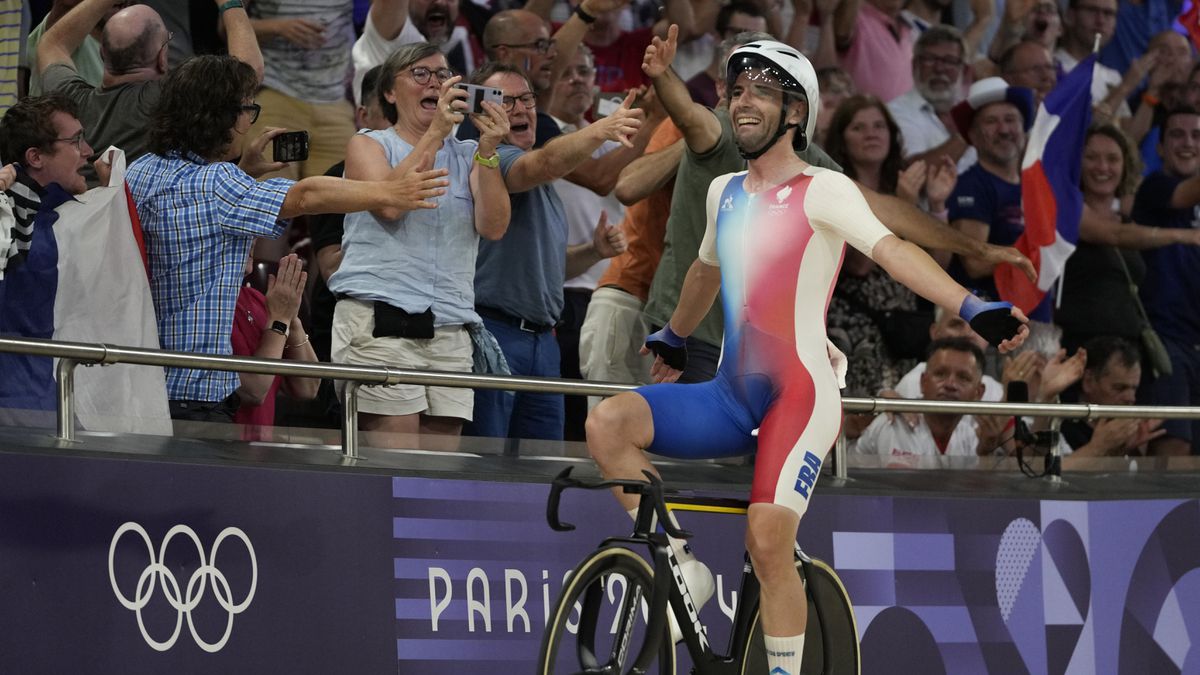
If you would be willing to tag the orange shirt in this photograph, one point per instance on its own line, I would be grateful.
(645, 226)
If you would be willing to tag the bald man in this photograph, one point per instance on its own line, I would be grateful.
(133, 49)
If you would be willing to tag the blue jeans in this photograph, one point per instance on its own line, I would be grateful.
(500, 414)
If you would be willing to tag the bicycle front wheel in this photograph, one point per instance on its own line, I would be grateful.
(831, 639)
(599, 623)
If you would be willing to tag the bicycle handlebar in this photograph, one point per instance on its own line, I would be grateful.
(652, 488)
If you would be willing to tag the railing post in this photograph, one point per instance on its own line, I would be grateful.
(350, 420)
(1054, 471)
(66, 398)
(840, 470)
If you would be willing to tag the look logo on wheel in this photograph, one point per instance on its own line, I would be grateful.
(183, 598)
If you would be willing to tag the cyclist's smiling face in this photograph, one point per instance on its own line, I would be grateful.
(755, 107)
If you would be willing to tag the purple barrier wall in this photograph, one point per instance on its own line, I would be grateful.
(111, 565)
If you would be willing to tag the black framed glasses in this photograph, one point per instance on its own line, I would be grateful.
(253, 108)
(540, 45)
(76, 140)
(421, 74)
(170, 36)
(527, 99)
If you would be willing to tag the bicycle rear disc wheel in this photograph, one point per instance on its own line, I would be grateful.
(599, 623)
(831, 639)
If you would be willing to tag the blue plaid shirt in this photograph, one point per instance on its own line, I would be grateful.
(200, 220)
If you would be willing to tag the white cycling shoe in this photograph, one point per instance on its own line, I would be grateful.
(700, 585)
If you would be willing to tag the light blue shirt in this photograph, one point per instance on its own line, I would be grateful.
(199, 220)
(427, 257)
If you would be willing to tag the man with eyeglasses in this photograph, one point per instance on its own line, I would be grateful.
(86, 54)
(1084, 21)
(134, 50)
(519, 278)
(521, 39)
(1028, 64)
(42, 138)
(923, 114)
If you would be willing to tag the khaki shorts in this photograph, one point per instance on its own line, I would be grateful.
(613, 331)
(449, 350)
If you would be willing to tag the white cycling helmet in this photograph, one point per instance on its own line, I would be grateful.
(790, 70)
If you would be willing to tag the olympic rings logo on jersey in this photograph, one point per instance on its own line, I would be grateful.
(183, 600)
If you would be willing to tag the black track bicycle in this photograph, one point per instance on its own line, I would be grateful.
(611, 617)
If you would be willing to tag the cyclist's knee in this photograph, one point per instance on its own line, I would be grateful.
(770, 540)
(617, 421)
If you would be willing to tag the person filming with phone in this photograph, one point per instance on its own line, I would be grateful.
(405, 285)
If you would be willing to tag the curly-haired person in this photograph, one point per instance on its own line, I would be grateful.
(201, 213)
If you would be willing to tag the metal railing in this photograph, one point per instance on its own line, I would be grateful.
(71, 354)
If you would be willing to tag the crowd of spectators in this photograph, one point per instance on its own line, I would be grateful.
(546, 233)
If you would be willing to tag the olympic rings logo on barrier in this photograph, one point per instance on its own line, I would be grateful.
(190, 598)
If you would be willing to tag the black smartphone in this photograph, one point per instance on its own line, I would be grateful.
(477, 94)
(290, 146)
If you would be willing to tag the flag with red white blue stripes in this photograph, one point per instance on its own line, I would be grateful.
(1050, 194)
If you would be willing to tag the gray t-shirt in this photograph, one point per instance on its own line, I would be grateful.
(313, 75)
(116, 115)
(522, 274)
(685, 225)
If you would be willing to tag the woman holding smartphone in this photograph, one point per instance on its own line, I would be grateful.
(405, 286)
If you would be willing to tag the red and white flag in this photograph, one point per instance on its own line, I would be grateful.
(1050, 194)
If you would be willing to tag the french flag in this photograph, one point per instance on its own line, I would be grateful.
(1050, 195)
(77, 273)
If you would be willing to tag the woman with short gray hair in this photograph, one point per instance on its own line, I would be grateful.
(405, 286)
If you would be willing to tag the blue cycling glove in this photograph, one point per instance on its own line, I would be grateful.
(993, 321)
(666, 344)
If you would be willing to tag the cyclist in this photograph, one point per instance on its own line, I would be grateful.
(773, 246)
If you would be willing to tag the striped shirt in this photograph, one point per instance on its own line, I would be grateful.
(314, 75)
(200, 220)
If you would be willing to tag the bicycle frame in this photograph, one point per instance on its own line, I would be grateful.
(705, 659)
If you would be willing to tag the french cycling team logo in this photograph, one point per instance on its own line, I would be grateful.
(182, 597)
(783, 194)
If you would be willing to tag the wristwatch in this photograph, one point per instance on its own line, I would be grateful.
(583, 15)
(279, 327)
(489, 162)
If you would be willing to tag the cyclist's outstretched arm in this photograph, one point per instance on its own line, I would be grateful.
(701, 128)
(700, 288)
